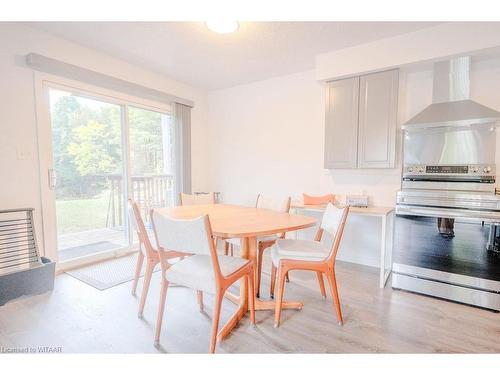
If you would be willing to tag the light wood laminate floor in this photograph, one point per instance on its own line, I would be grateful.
(82, 319)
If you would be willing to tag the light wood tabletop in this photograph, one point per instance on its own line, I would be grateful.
(246, 223)
(230, 221)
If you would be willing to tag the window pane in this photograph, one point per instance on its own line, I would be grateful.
(87, 153)
(151, 158)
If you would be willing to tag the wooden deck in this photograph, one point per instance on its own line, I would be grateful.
(75, 245)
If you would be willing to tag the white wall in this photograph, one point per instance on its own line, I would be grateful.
(19, 180)
(268, 137)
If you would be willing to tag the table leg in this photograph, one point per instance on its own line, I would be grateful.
(271, 305)
(295, 234)
(249, 251)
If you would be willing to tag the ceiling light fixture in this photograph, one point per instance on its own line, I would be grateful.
(223, 27)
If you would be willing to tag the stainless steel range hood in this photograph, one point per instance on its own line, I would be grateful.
(451, 103)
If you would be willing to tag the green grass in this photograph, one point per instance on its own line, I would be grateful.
(78, 215)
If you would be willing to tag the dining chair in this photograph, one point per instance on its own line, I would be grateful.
(317, 200)
(147, 251)
(265, 242)
(306, 255)
(192, 199)
(205, 270)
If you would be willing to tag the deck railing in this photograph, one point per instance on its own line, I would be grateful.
(149, 191)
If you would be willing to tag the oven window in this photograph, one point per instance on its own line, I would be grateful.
(447, 245)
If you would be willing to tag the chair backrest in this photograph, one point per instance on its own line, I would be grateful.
(317, 200)
(333, 222)
(185, 236)
(192, 236)
(281, 205)
(192, 199)
(137, 225)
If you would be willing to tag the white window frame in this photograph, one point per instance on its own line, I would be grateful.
(43, 82)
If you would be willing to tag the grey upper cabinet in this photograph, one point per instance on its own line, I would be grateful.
(378, 106)
(361, 121)
(341, 130)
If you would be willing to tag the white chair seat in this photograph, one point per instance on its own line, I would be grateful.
(234, 241)
(237, 241)
(197, 271)
(298, 250)
(271, 237)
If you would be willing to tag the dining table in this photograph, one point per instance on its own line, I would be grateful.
(247, 224)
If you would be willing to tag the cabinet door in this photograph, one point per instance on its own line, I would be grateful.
(378, 106)
(341, 125)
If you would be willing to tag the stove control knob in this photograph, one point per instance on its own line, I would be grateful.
(410, 169)
(487, 169)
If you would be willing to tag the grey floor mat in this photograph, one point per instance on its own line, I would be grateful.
(105, 275)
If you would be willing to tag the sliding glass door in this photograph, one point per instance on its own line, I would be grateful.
(104, 152)
(151, 159)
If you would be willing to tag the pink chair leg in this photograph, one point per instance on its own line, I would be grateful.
(199, 295)
(145, 288)
(281, 291)
(138, 268)
(251, 298)
(319, 275)
(215, 319)
(161, 309)
(335, 295)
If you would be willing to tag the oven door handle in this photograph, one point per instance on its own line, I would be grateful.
(453, 213)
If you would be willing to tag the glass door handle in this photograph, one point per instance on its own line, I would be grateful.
(52, 179)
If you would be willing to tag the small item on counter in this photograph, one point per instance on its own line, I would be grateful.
(356, 200)
(317, 200)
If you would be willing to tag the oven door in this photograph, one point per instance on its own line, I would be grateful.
(447, 253)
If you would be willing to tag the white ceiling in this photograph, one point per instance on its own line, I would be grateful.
(189, 52)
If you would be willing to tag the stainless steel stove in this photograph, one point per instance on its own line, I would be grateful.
(447, 227)
(447, 233)
(467, 189)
